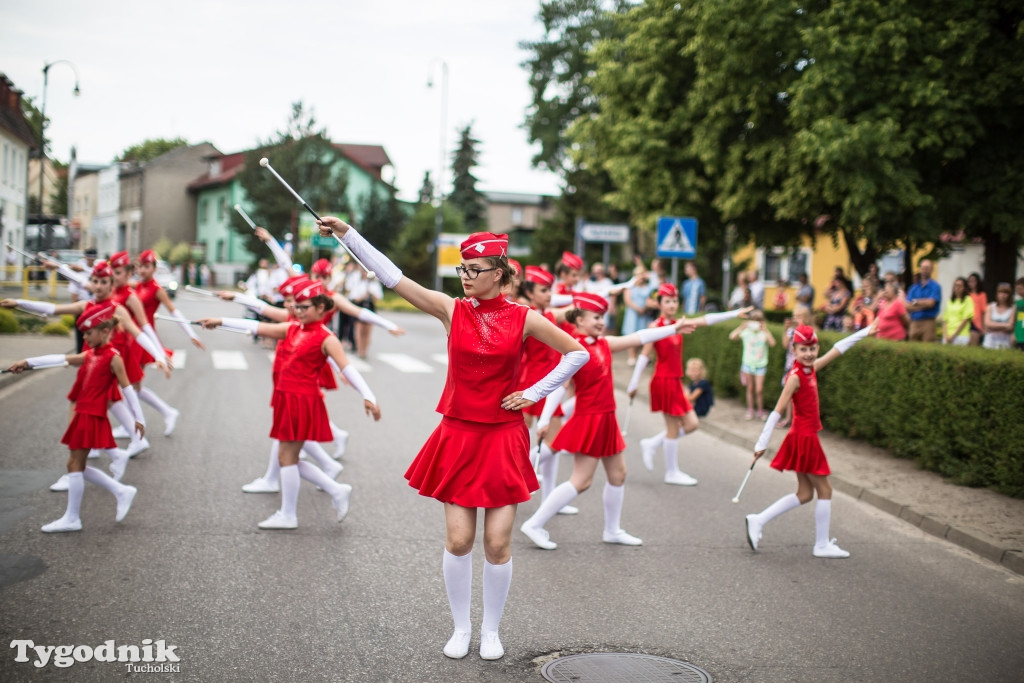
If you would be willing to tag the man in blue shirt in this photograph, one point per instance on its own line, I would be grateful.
(694, 290)
(923, 300)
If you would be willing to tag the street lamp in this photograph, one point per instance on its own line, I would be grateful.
(42, 125)
(439, 185)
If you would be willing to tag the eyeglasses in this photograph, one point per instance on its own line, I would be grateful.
(471, 273)
(303, 307)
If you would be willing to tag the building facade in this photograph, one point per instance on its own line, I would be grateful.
(16, 143)
(517, 215)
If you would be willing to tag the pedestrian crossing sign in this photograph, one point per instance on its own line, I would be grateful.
(677, 237)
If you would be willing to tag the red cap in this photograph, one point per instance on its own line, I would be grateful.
(572, 261)
(590, 302)
(321, 267)
(669, 290)
(517, 267)
(94, 314)
(804, 334)
(305, 292)
(148, 256)
(288, 286)
(120, 259)
(101, 269)
(539, 276)
(481, 244)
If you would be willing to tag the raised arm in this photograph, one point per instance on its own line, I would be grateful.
(280, 255)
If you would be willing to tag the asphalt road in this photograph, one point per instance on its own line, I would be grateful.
(364, 600)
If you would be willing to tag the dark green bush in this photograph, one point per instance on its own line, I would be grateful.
(8, 322)
(56, 328)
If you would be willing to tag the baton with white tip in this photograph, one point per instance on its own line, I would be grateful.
(245, 216)
(736, 498)
(629, 412)
(39, 367)
(161, 316)
(204, 292)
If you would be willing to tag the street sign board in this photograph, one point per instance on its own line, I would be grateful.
(448, 253)
(604, 232)
(677, 237)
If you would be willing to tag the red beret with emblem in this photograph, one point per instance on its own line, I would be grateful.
(590, 302)
(572, 261)
(483, 244)
(102, 269)
(95, 314)
(539, 276)
(308, 290)
(120, 259)
(667, 289)
(804, 334)
(148, 256)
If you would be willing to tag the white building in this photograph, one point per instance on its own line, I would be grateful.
(16, 140)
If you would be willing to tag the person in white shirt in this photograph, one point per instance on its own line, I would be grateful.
(756, 286)
(365, 293)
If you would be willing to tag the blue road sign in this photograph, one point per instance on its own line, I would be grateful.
(677, 237)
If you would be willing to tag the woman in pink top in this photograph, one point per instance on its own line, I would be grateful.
(976, 290)
(893, 319)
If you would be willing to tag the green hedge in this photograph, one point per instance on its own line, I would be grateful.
(953, 410)
(8, 322)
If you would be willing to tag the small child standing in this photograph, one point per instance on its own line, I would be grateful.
(101, 370)
(699, 392)
(756, 340)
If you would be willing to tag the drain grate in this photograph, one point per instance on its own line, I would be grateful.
(621, 667)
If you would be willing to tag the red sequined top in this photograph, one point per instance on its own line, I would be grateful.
(670, 353)
(95, 383)
(299, 358)
(146, 291)
(484, 349)
(806, 413)
(538, 359)
(595, 388)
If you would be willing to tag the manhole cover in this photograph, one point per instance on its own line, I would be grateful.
(621, 667)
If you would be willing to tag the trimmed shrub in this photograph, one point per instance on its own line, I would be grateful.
(8, 322)
(69, 321)
(55, 328)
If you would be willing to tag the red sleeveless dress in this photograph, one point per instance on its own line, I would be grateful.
(592, 429)
(147, 292)
(125, 343)
(95, 386)
(479, 455)
(538, 360)
(299, 412)
(667, 382)
(801, 450)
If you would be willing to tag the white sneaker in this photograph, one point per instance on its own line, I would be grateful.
(121, 433)
(622, 538)
(333, 469)
(490, 646)
(679, 478)
(118, 463)
(341, 444)
(341, 501)
(647, 450)
(569, 510)
(457, 646)
(279, 520)
(61, 484)
(137, 447)
(62, 524)
(170, 422)
(93, 454)
(539, 536)
(754, 527)
(124, 501)
(830, 550)
(261, 485)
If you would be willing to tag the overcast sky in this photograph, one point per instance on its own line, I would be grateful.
(227, 73)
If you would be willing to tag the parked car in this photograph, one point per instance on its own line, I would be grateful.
(166, 278)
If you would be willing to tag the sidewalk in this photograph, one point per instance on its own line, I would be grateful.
(14, 347)
(986, 523)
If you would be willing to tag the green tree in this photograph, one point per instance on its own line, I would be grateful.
(303, 155)
(381, 219)
(58, 203)
(150, 149)
(412, 251)
(426, 193)
(465, 197)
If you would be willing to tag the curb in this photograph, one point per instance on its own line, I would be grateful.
(1009, 558)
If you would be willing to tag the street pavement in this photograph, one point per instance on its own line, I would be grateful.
(364, 600)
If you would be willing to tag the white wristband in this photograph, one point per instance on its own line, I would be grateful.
(845, 343)
(133, 403)
(368, 316)
(387, 272)
(561, 300)
(44, 307)
(653, 334)
(358, 383)
(241, 324)
(280, 255)
(566, 368)
(145, 342)
(713, 318)
(766, 433)
(638, 370)
(185, 324)
(151, 333)
(250, 302)
(51, 360)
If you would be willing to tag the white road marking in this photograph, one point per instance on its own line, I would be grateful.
(404, 363)
(179, 358)
(229, 360)
(358, 363)
(441, 358)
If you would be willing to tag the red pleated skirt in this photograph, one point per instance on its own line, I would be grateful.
(131, 354)
(300, 417)
(595, 434)
(145, 359)
(475, 464)
(802, 452)
(537, 408)
(88, 431)
(667, 396)
(327, 380)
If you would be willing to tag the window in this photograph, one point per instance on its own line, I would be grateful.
(202, 211)
(222, 209)
(517, 215)
(786, 266)
(4, 176)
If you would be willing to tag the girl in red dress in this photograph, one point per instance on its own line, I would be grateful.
(592, 433)
(801, 449)
(100, 372)
(667, 395)
(299, 412)
(479, 455)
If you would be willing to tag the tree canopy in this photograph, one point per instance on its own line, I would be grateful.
(465, 197)
(147, 150)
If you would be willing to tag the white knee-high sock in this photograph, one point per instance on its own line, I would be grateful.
(784, 504)
(612, 499)
(458, 582)
(289, 490)
(274, 465)
(822, 519)
(657, 439)
(315, 475)
(317, 452)
(124, 415)
(563, 494)
(497, 579)
(149, 396)
(671, 447)
(101, 478)
(568, 407)
(548, 471)
(76, 486)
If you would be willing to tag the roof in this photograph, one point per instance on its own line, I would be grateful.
(371, 158)
(517, 198)
(11, 117)
(230, 166)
